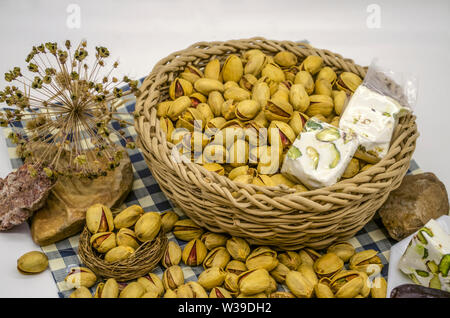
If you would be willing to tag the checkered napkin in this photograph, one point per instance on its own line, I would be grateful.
(147, 193)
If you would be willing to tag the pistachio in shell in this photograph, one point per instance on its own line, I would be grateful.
(285, 59)
(281, 131)
(173, 277)
(279, 273)
(149, 295)
(327, 73)
(118, 253)
(218, 257)
(33, 262)
(269, 160)
(379, 288)
(228, 109)
(261, 93)
(215, 101)
(178, 106)
(352, 169)
(215, 153)
(238, 248)
(323, 87)
(191, 290)
(279, 179)
(213, 240)
(132, 290)
(191, 74)
(214, 167)
(236, 267)
(308, 272)
(232, 69)
(298, 97)
(172, 255)
(152, 283)
(99, 219)
(366, 261)
(230, 84)
(320, 104)
(187, 230)
(170, 294)
(194, 252)
(255, 62)
(348, 82)
(167, 127)
(237, 94)
(162, 108)
(128, 217)
(278, 109)
(273, 73)
(127, 237)
(328, 265)
(343, 250)
(297, 122)
(304, 78)
(299, 285)
(290, 259)
(219, 292)
(147, 226)
(230, 283)
(346, 284)
(262, 257)
(312, 64)
(212, 69)
(168, 220)
(247, 81)
(247, 109)
(254, 281)
(80, 276)
(340, 101)
(206, 114)
(281, 294)
(109, 289)
(207, 85)
(323, 291)
(81, 292)
(180, 87)
(263, 180)
(212, 277)
(239, 153)
(308, 256)
(103, 242)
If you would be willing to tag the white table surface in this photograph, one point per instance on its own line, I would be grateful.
(412, 36)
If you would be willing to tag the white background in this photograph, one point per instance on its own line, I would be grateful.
(413, 36)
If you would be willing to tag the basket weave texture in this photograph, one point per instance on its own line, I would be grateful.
(275, 216)
(142, 262)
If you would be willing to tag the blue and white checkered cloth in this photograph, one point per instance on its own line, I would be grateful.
(147, 193)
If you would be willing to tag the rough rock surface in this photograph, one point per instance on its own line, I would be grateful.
(21, 195)
(65, 210)
(419, 198)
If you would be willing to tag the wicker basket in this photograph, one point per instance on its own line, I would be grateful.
(273, 216)
(143, 261)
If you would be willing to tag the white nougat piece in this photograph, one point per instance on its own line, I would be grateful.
(427, 258)
(373, 117)
(319, 155)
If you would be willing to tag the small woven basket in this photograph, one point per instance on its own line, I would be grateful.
(275, 216)
(143, 261)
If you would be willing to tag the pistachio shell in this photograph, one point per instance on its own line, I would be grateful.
(218, 257)
(103, 242)
(212, 69)
(263, 180)
(254, 281)
(232, 69)
(118, 253)
(152, 283)
(279, 179)
(99, 219)
(247, 81)
(127, 237)
(80, 276)
(299, 285)
(366, 261)
(323, 291)
(81, 292)
(238, 248)
(214, 167)
(147, 226)
(194, 253)
(207, 85)
(132, 290)
(308, 256)
(211, 277)
(32, 263)
(173, 277)
(291, 259)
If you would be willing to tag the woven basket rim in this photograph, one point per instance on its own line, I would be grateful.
(162, 67)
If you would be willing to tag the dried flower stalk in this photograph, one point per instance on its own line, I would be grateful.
(67, 106)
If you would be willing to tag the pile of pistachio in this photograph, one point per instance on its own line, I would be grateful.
(245, 94)
(120, 244)
(233, 268)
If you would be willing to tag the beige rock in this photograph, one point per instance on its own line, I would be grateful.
(64, 213)
(419, 198)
